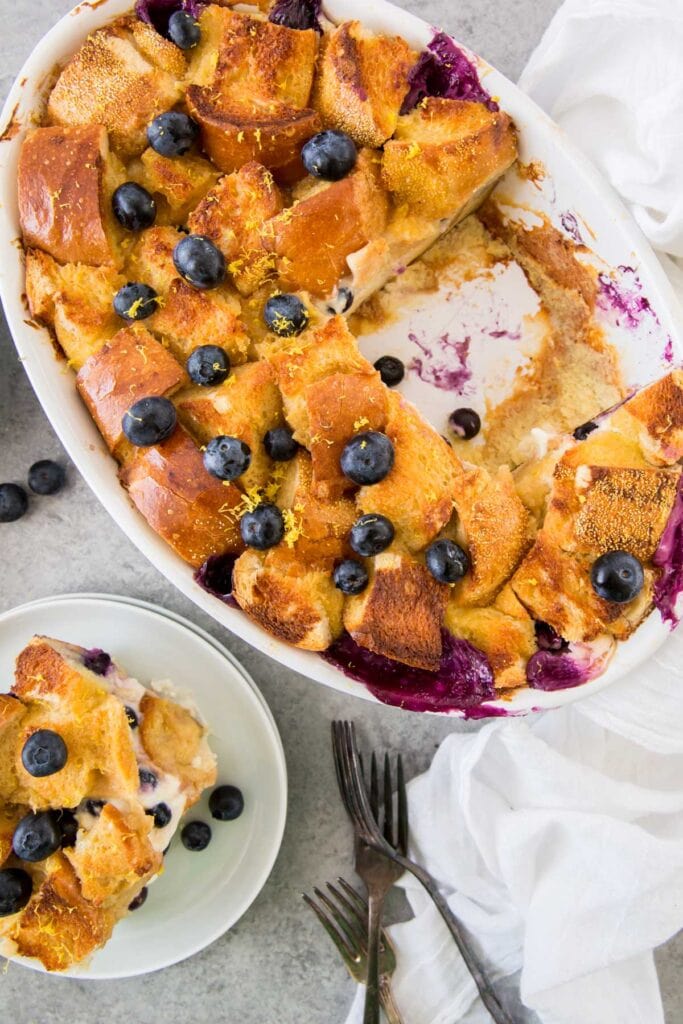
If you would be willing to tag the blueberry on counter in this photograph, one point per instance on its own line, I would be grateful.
(280, 444)
(37, 836)
(208, 365)
(330, 155)
(465, 423)
(136, 301)
(617, 577)
(46, 477)
(350, 576)
(285, 315)
(196, 836)
(582, 432)
(367, 458)
(15, 890)
(391, 370)
(172, 133)
(226, 803)
(138, 900)
(134, 207)
(44, 753)
(227, 458)
(183, 30)
(446, 561)
(13, 502)
(161, 813)
(263, 528)
(371, 534)
(199, 261)
(149, 421)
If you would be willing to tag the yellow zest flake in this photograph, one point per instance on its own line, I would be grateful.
(413, 150)
(240, 136)
(257, 137)
(293, 526)
(532, 581)
(362, 422)
(143, 352)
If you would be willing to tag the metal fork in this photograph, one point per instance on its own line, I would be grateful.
(346, 922)
(354, 794)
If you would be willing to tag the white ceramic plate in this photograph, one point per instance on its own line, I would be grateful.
(199, 895)
(571, 194)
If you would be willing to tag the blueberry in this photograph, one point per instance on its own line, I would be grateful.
(44, 753)
(367, 458)
(446, 561)
(280, 444)
(13, 502)
(37, 836)
(148, 779)
(15, 890)
(227, 457)
(208, 365)
(196, 836)
(172, 134)
(226, 803)
(134, 207)
(132, 717)
(68, 824)
(183, 30)
(617, 577)
(465, 423)
(149, 421)
(198, 260)
(548, 639)
(94, 807)
(97, 660)
(350, 577)
(582, 432)
(263, 528)
(391, 370)
(285, 315)
(371, 534)
(138, 900)
(136, 301)
(342, 302)
(46, 477)
(161, 813)
(330, 155)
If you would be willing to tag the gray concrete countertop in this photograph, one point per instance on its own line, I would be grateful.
(275, 965)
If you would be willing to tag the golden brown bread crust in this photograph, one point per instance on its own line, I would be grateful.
(62, 206)
(654, 417)
(188, 318)
(504, 631)
(318, 529)
(178, 185)
(174, 740)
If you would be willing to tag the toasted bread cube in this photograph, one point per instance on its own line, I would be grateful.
(417, 495)
(150, 258)
(654, 417)
(190, 509)
(133, 365)
(245, 405)
(188, 318)
(75, 300)
(294, 602)
(494, 527)
(65, 181)
(231, 215)
(401, 612)
(362, 82)
(156, 48)
(505, 633)
(175, 741)
(446, 155)
(317, 531)
(180, 184)
(316, 354)
(340, 406)
(313, 238)
(108, 82)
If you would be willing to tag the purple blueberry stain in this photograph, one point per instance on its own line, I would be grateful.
(620, 296)
(669, 558)
(445, 365)
(443, 70)
(571, 226)
(215, 576)
(668, 353)
(298, 14)
(563, 668)
(98, 661)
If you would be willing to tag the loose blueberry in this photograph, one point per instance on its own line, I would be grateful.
(285, 315)
(208, 365)
(149, 421)
(148, 779)
(172, 134)
(465, 423)
(367, 458)
(371, 534)
(97, 660)
(161, 813)
(37, 836)
(227, 457)
(138, 900)
(15, 890)
(196, 836)
(94, 807)
(136, 301)
(391, 370)
(68, 824)
(226, 803)
(199, 261)
(46, 477)
(13, 502)
(582, 432)
(280, 444)
(617, 577)
(350, 577)
(44, 753)
(446, 561)
(131, 716)
(183, 30)
(263, 528)
(134, 207)
(330, 155)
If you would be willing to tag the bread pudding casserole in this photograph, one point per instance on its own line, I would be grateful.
(215, 190)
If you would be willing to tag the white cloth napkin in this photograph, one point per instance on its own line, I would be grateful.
(559, 839)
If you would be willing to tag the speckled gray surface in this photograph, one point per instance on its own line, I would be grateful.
(275, 965)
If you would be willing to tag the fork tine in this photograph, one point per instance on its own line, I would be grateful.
(402, 808)
(365, 823)
(374, 787)
(356, 919)
(338, 939)
(388, 803)
(352, 936)
(355, 896)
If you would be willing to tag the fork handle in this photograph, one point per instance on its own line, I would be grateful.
(372, 991)
(387, 997)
